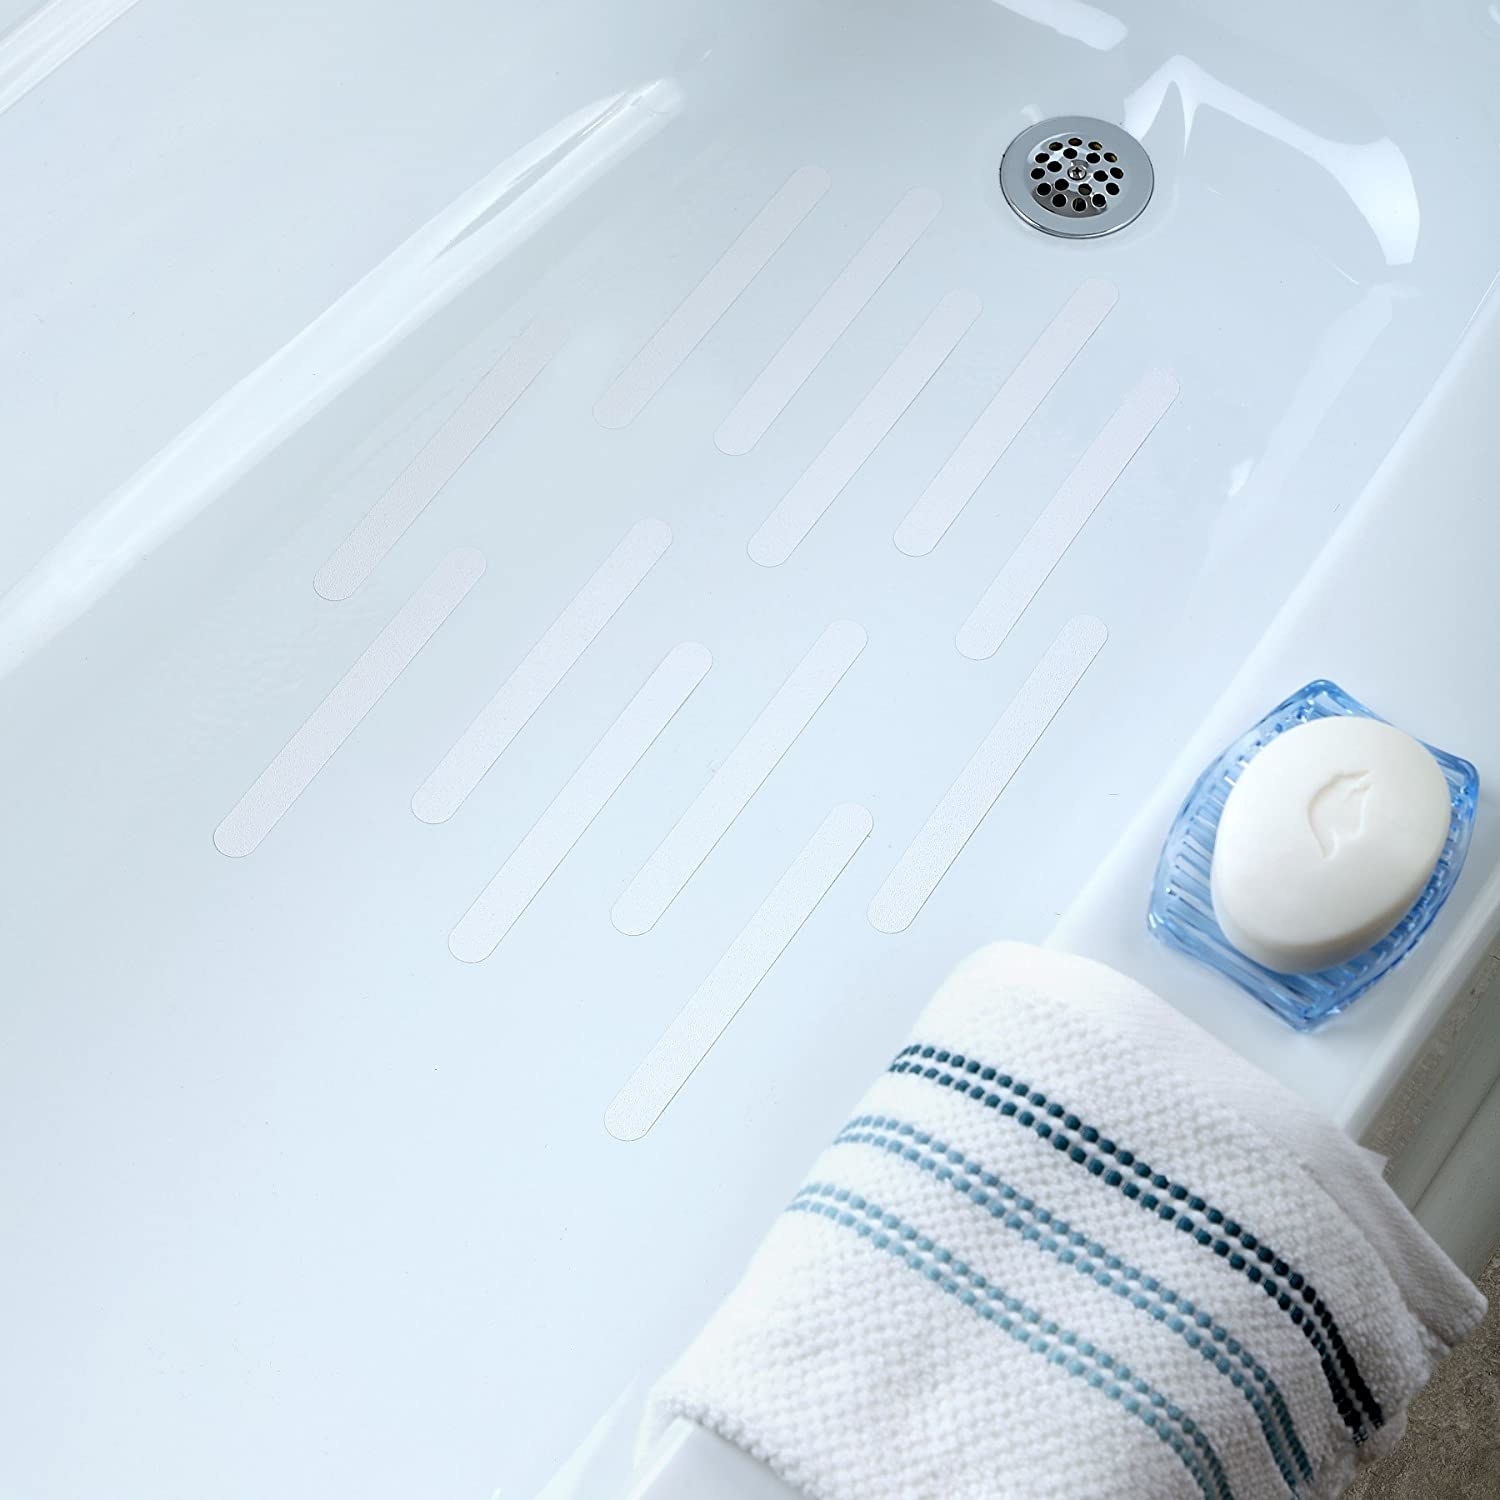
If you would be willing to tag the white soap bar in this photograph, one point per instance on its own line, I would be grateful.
(1325, 842)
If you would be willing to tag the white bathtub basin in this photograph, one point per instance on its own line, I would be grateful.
(313, 1187)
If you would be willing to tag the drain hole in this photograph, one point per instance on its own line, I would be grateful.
(1058, 182)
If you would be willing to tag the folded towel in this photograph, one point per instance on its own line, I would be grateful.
(1069, 1245)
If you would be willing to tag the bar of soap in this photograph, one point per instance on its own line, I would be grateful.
(1326, 841)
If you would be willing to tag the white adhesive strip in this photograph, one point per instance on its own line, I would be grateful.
(544, 848)
(357, 692)
(1042, 548)
(543, 667)
(739, 265)
(865, 430)
(731, 982)
(672, 865)
(821, 329)
(440, 458)
(979, 784)
(1011, 408)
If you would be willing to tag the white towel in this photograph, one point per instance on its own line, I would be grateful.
(1069, 1245)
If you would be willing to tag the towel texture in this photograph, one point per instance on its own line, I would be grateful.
(1069, 1245)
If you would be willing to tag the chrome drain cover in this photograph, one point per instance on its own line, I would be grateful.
(1077, 177)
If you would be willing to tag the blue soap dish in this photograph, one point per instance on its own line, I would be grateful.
(1182, 913)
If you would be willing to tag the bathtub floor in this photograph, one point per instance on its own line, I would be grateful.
(514, 602)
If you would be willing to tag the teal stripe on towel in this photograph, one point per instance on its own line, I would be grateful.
(1070, 1352)
(1199, 1330)
(1121, 1169)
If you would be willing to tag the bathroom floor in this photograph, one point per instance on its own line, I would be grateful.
(1452, 1446)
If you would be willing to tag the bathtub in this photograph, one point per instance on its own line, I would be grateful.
(515, 678)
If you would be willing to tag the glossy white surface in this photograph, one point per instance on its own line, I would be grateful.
(303, 1204)
(692, 1464)
(1423, 532)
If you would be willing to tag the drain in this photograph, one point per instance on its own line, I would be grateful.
(1076, 177)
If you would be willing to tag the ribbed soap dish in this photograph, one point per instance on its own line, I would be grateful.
(1181, 914)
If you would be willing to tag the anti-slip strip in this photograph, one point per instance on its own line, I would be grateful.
(826, 323)
(867, 427)
(352, 697)
(733, 979)
(976, 788)
(438, 460)
(516, 884)
(1009, 410)
(730, 789)
(1067, 513)
(739, 265)
(506, 714)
